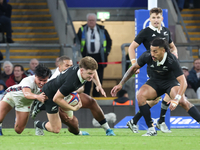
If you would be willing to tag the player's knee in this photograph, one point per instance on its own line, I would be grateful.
(56, 130)
(18, 130)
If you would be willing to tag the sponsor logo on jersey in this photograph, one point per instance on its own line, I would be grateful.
(165, 33)
(152, 66)
(54, 108)
(153, 35)
(165, 68)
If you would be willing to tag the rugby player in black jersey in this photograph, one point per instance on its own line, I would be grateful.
(166, 77)
(145, 36)
(87, 102)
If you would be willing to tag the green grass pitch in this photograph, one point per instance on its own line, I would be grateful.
(179, 139)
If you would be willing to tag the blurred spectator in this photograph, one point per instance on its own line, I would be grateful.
(180, 4)
(122, 98)
(191, 4)
(17, 76)
(189, 93)
(3, 87)
(7, 70)
(56, 64)
(5, 14)
(95, 42)
(33, 63)
(194, 76)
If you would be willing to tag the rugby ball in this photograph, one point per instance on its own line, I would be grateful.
(72, 99)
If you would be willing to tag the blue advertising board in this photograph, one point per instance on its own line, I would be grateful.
(177, 122)
(141, 22)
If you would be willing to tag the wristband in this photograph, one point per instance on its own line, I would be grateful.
(178, 97)
(133, 61)
(120, 84)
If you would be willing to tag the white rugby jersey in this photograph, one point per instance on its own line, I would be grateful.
(16, 90)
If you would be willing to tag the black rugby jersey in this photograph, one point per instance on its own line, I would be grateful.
(147, 35)
(66, 82)
(169, 70)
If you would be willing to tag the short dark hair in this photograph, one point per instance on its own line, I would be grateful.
(88, 63)
(156, 10)
(121, 93)
(62, 58)
(161, 43)
(42, 71)
(22, 68)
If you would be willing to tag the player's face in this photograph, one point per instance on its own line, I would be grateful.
(157, 53)
(65, 65)
(91, 22)
(156, 20)
(40, 82)
(88, 74)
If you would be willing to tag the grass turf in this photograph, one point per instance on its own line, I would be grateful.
(184, 139)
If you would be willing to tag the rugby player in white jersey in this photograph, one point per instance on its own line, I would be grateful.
(21, 97)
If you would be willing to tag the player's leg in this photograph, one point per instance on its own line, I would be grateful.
(72, 123)
(161, 122)
(54, 124)
(132, 124)
(4, 109)
(146, 92)
(190, 108)
(21, 121)
(90, 103)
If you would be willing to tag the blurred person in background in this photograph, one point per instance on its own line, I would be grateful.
(7, 70)
(17, 76)
(189, 92)
(194, 77)
(32, 64)
(5, 14)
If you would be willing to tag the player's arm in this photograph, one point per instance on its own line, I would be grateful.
(183, 85)
(126, 76)
(173, 49)
(98, 84)
(131, 51)
(59, 99)
(29, 95)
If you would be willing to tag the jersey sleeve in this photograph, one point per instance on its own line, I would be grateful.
(27, 82)
(140, 37)
(170, 37)
(142, 60)
(64, 89)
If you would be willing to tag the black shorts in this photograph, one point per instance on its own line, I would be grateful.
(162, 86)
(50, 106)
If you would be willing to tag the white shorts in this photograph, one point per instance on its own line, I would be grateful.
(17, 101)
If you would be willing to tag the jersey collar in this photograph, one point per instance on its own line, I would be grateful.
(155, 29)
(79, 76)
(163, 60)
